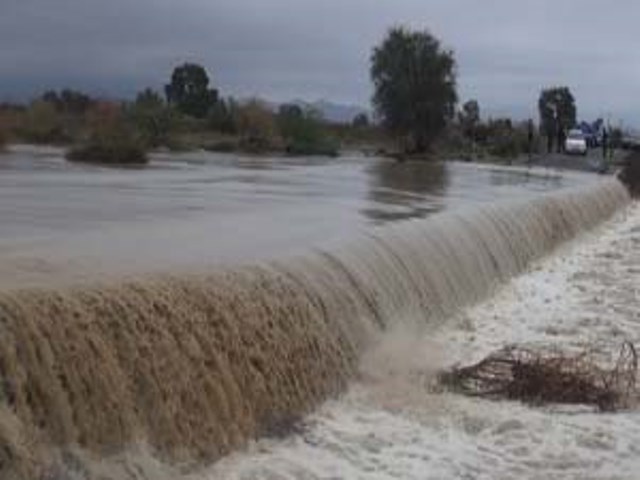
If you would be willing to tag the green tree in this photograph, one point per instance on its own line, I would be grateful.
(557, 108)
(415, 85)
(189, 90)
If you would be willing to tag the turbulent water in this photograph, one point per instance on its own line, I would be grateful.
(187, 368)
(393, 425)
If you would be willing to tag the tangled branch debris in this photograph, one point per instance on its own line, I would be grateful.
(537, 378)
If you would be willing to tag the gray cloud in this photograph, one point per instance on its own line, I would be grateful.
(281, 49)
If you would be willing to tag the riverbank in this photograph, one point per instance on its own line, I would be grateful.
(630, 173)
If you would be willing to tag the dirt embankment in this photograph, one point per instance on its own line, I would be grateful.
(630, 174)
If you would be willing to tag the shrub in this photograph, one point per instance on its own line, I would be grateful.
(111, 141)
(453, 142)
(304, 132)
(109, 154)
(222, 146)
(220, 117)
(325, 147)
(42, 124)
(504, 140)
(152, 118)
(256, 125)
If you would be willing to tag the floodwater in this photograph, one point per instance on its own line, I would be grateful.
(69, 222)
(202, 364)
(392, 424)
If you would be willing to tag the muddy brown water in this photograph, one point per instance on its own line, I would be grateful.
(270, 279)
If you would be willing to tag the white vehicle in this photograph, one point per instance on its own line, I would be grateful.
(576, 143)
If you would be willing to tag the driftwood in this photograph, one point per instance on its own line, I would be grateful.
(535, 377)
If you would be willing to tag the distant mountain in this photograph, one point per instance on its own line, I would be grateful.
(334, 112)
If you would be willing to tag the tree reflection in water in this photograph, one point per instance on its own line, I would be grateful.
(405, 190)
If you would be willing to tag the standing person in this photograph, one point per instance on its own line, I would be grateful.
(605, 142)
(549, 143)
(550, 134)
(561, 138)
(530, 139)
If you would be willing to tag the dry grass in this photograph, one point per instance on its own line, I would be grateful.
(537, 378)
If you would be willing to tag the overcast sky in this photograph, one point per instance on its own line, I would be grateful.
(311, 49)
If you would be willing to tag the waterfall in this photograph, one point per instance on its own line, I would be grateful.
(194, 366)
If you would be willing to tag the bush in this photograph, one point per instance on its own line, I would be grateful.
(301, 147)
(256, 125)
(220, 117)
(109, 154)
(256, 144)
(453, 143)
(504, 140)
(42, 124)
(304, 132)
(152, 118)
(111, 141)
(504, 146)
(222, 146)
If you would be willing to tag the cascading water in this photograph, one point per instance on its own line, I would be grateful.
(193, 366)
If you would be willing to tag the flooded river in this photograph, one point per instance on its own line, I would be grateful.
(70, 221)
(221, 317)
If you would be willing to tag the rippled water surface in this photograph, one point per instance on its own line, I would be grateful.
(199, 208)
